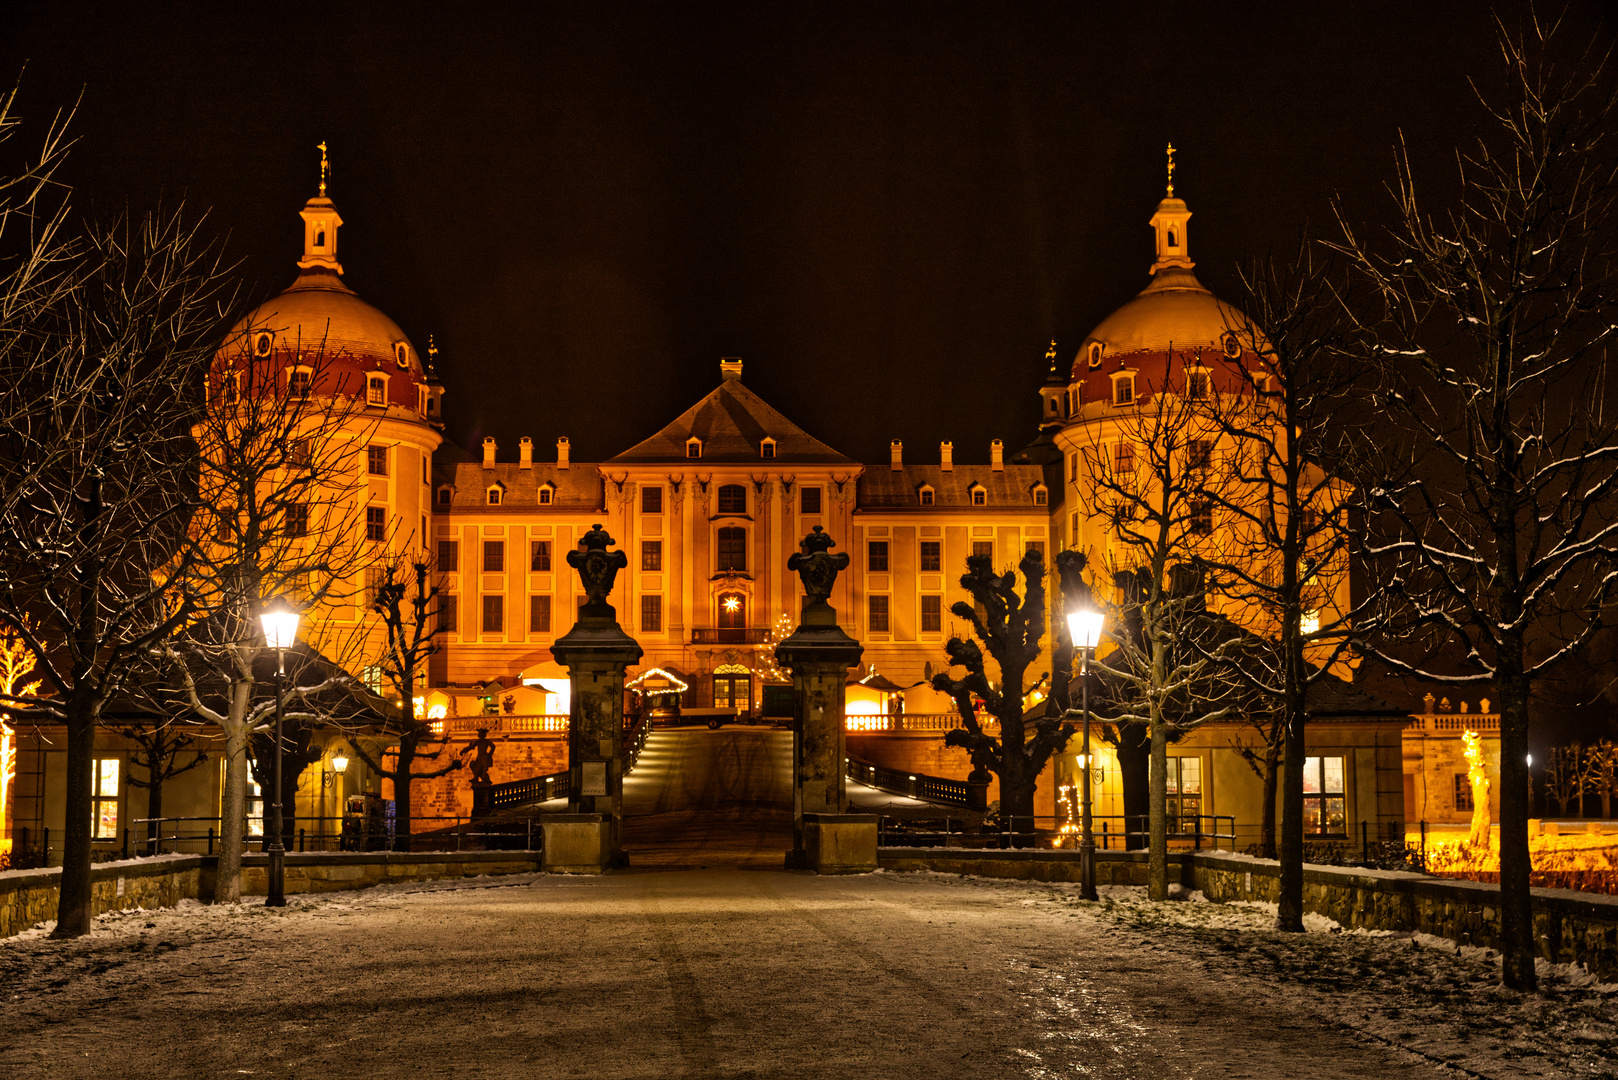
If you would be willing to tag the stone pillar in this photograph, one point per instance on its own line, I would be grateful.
(596, 652)
(819, 655)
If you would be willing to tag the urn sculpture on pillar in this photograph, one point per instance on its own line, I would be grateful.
(825, 837)
(595, 652)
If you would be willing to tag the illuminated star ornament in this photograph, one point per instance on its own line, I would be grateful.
(732, 604)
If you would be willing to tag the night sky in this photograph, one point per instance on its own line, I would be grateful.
(888, 206)
(887, 210)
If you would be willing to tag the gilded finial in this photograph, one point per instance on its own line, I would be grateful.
(1050, 353)
(432, 351)
(1171, 170)
(325, 167)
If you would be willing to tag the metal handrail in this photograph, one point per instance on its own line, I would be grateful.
(938, 789)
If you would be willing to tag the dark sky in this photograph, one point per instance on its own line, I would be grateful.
(886, 210)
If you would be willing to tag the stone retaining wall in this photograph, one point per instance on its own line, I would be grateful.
(1569, 927)
(29, 897)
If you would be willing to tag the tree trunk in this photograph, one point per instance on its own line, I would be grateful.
(1135, 772)
(1272, 768)
(1516, 902)
(233, 799)
(1157, 873)
(1289, 910)
(405, 759)
(73, 903)
(154, 811)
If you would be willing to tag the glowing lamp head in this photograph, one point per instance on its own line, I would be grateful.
(339, 763)
(1085, 628)
(280, 621)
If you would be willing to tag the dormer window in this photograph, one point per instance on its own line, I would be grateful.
(1042, 495)
(262, 342)
(445, 494)
(980, 495)
(693, 448)
(1123, 388)
(547, 494)
(1096, 349)
(1196, 385)
(228, 388)
(376, 390)
(298, 383)
(926, 495)
(1231, 345)
(495, 495)
(766, 449)
(401, 355)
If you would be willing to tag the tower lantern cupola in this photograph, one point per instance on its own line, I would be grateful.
(320, 224)
(1169, 226)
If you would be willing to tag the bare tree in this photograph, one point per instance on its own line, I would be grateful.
(1495, 320)
(96, 476)
(1011, 629)
(1564, 777)
(161, 744)
(408, 606)
(1600, 774)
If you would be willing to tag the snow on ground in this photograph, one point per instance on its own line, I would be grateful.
(1424, 997)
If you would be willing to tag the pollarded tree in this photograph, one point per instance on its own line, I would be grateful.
(408, 606)
(1564, 777)
(1495, 322)
(1011, 628)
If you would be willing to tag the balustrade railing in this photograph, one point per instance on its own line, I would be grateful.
(911, 722)
(504, 723)
(936, 789)
(728, 635)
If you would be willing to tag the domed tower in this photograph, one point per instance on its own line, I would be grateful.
(361, 405)
(1173, 343)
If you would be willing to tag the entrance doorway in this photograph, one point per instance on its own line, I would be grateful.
(733, 691)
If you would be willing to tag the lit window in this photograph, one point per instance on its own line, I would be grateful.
(376, 390)
(1123, 390)
(376, 523)
(1324, 799)
(732, 499)
(1309, 622)
(980, 497)
(104, 799)
(651, 555)
(376, 460)
(927, 496)
(1183, 803)
(546, 495)
(539, 556)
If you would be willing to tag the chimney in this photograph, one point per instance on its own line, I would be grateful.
(488, 451)
(730, 367)
(562, 448)
(946, 456)
(997, 456)
(897, 449)
(525, 452)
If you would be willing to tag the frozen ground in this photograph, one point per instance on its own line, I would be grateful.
(725, 973)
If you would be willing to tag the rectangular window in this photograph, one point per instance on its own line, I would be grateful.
(1123, 390)
(932, 614)
(1325, 806)
(1123, 459)
(1201, 517)
(377, 392)
(877, 556)
(879, 614)
(449, 556)
(932, 555)
(651, 500)
(1196, 386)
(809, 500)
(299, 454)
(732, 549)
(1073, 468)
(494, 614)
(449, 610)
(1198, 455)
(297, 519)
(376, 523)
(1463, 793)
(1184, 790)
(733, 499)
(494, 556)
(539, 556)
(651, 614)
(376, 460)
(983, 547)
(298, 385)
(1039, 546)
(104, 799)
(375, 578)
(539, 614)
(651, 555)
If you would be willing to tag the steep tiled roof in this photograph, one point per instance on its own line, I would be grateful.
(732, 422)
(576, 488)
(1009, 489)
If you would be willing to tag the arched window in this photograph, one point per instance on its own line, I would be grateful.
(731, 549)
(693, 448)
(444, 494)
(766, 449)
(1123, 389)
(732, 499)
(1042, 495)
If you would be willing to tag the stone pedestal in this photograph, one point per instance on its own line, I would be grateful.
(596, 652)
(481, 805)
(576, 843)
(839, 843)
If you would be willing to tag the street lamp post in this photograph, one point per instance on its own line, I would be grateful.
(1084, 627)
(280, 621)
